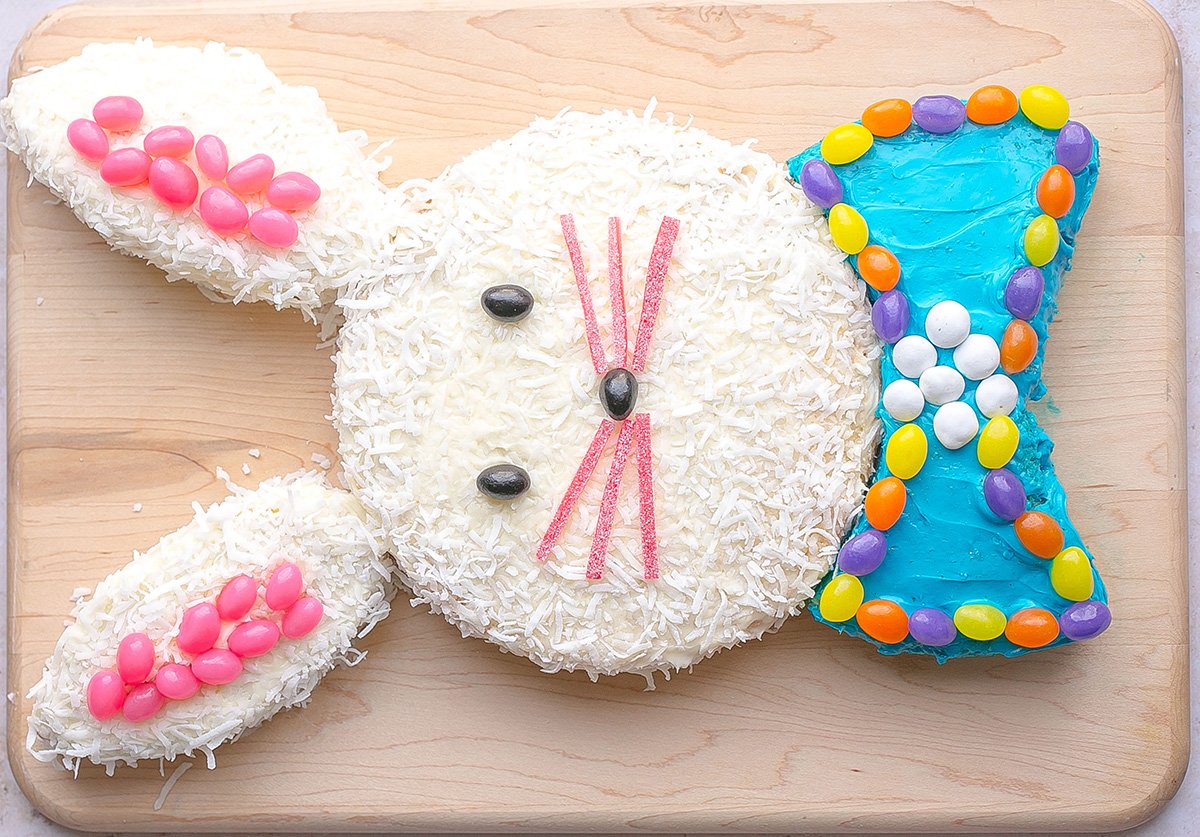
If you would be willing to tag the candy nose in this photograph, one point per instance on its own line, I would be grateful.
(618, 393)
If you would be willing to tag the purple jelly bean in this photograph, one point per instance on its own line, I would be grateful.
(889, 315)
(1073, 147)
(939, 114)
(1004, 493)
(820, 183)
(863, 553)
(930, 626)
(1084, 620)
(1023, 294)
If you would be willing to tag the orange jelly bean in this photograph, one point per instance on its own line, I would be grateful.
(992, 105)
(883, 620)
(1031, 628)
(1039, 533)
(885, 502)
(878, 267)
(888, 118)
(1056, 191)
(1018, 347)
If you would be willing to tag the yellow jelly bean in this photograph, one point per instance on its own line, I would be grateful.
(1044, 106)
(906, 451)
(1071, 574)
(841, 598)
(979, 621)
(848, 228)
(1041, 240)
(997, 442)
(845, 144)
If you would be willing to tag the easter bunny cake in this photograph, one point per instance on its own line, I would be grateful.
(614, 428)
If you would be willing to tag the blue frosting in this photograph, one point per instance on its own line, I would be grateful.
(954, 208)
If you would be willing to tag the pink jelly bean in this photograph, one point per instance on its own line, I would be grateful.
(222, 210)
(176, 682)
(105, 695)
(293, 191)
(302, 617)
(251, 175)
(237, 597)
(142, 702)
(135, 658)
(253, 638)
(217, 667)
(173, 183)
(212, 157)
(284, 586)
(199, 629)
(274, 227)
(118, 113)
(88, 139)
(125, 167)
(169, 141)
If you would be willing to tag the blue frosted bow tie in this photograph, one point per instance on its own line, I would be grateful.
(961, 217)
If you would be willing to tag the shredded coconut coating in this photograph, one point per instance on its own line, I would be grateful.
(324, 530)
(214, 90)
(761, 384)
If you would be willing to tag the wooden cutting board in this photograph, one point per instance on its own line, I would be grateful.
(125, 390)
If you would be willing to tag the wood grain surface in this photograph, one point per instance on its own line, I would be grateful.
(125, 390)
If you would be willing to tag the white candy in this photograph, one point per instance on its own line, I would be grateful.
(903, 400)
(977, 357)
(955, 424)
(996, 396)
(914, 354)
(942, 384)
(947, 324)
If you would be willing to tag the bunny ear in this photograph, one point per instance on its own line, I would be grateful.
(962, 220)
(204, 163)
(222, 624)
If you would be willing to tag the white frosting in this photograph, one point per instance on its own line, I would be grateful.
(903, 400)
(912, 355)
(761, 386)
(977, 357)
(996, 396)
(955, 424)
(942, 384)
(947, 324)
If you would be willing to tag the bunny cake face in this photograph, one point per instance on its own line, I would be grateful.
(204, 163)
(615, 412)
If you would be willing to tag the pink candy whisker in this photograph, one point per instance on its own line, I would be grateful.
(656, 277)
(635, 432)
(608, 502)
(590, 326)
(616, 293)
(645, 473)
(578, 482)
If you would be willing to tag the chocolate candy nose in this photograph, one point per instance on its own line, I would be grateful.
(618, 393)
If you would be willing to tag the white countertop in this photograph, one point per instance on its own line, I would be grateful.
(1182, 814)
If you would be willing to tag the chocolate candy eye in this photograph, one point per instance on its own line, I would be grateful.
(503, 482)
(507, 303)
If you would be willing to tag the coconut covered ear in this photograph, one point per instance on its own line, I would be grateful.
(961, 218)
(204, 163)
(215, 629)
